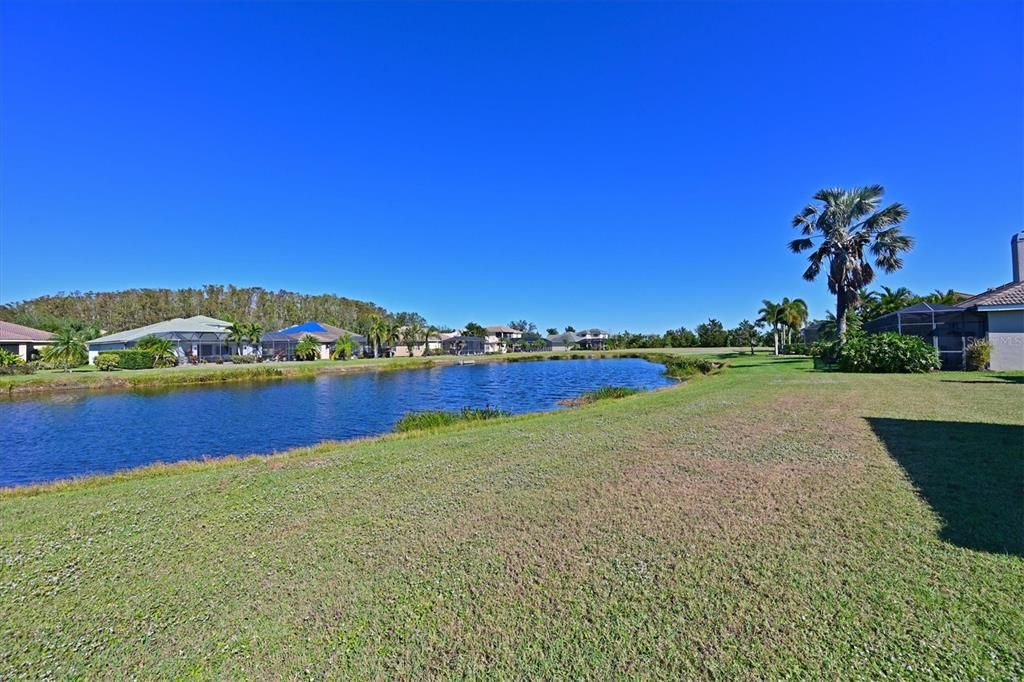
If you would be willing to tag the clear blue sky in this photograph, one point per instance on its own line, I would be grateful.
(623, 165)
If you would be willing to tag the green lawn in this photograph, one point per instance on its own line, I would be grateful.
(766, 521)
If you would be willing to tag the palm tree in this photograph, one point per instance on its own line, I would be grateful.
(342, 348)
(772, 315)
(377, 332)
(847, 222)
(390, 334)
(162, 350)
(254, 332)
(67, 349)
(237, 334)
(308, 348)
(411, 335)
(794, 315)
(429, 333)
(890, 300)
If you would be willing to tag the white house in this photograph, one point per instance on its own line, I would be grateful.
(199, 336)
(21, 340)
(1003, 310)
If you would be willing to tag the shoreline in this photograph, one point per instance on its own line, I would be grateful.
(276, 458)
(183, 377)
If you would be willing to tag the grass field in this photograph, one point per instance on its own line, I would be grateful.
(766, 521)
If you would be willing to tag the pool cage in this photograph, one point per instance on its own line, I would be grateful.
(948, 328)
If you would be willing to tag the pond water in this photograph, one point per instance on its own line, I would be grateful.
(74, 434)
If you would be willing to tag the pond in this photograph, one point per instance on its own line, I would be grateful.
(75, 434)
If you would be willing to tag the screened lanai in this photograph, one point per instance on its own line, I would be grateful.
(949, 328)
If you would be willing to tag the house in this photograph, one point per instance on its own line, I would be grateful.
(200, 337)
(418, 348)
(592, 339)
(500, 339)
(561, 342)
(281, 344)
(996, 315)
(460, 344)
(21, 340)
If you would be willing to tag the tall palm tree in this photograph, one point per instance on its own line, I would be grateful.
(847, 222)
(67, 349)
(429, 333)
(254, 332)
(411, 335)
(237, 334)
(377, 330)
(793, 315)
(772, 314)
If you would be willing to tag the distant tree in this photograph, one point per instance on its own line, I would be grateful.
(772, 315)
(412, 334)
(406, 319)
(847, 222)
(887, 301)
(343, 348)
(254, 332)
(747, 334)
(473, 329)
(236, 333)
(569, 329)
(523, 326)
(67, 349)
(680, 338)
(794, 315)
(552, 331)
(711, 334)
(308, 348)
(377, 333)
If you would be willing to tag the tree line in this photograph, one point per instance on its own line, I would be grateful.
(96, 312)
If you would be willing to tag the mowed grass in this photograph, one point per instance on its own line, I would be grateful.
(763, 522)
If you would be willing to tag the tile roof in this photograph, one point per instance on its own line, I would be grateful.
(18, 332)
(1011, 293)
(500, 329)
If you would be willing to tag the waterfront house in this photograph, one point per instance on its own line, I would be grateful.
(460, 344)
(560, 342)
(592, 339)
(402, 350)
(996, 315)
(21, 340)
(281, 344)
(501, 339)
(201, 337)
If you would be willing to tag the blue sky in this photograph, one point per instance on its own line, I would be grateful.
(623, 165)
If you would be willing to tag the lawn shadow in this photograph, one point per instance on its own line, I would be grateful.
(989, 379)
(971, 474)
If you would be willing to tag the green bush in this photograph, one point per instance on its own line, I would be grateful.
(609, 393)
(979, 355)
(419, 421)
(9, 359)
(106, 362)
(888, 352)
(23, 368)
(132, 358)
(243, 359)
(798, 348)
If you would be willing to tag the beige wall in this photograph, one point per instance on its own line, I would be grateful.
(1006, 334)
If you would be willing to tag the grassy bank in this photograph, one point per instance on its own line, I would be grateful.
(86, 378)
(767, 521)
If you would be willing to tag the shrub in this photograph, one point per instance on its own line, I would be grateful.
(131, 358)
(24, 368)
(979, 355)
(9, 359)
(798, 348)
(105, 362)
(887, 352)
(419, 421)
(610, 393)
(243, 359)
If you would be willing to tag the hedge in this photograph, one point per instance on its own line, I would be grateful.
(132, 358)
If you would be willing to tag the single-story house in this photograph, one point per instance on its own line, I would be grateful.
(461, 344)
(996, 315)
(199, 337)
(21, 340)
(561, 342)
(402, 349)
(281, 344)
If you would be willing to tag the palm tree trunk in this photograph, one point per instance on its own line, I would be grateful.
(775, 337)
(841, 309)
